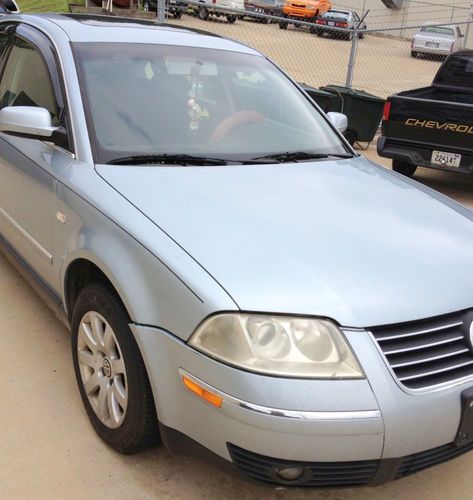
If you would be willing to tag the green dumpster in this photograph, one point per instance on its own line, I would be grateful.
(364, 111)
(326, 100)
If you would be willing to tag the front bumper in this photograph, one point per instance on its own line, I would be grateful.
(347, 432)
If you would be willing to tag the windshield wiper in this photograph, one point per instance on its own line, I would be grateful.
(167, 159)
(301, 155)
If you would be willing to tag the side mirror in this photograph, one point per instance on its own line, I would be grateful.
(28, 121)
(339, 121)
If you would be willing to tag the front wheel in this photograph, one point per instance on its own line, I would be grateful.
(404, 168)
(283, 25)
(413, 53)
(231, 19)
(110, 372)
(177, 14)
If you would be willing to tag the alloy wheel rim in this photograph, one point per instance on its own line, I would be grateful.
(102, 369)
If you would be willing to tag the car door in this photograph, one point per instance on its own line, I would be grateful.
(29, 168)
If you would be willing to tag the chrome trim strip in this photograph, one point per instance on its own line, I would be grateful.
(423, 346)
(275, 412)
(433, 372)
(428, 360)
(41, 250)
(420, 332)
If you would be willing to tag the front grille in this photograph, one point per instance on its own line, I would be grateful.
(428, 352)
(423, 460)
(316, 474)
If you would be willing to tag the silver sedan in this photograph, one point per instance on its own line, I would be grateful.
(234, 275)
(436, 40)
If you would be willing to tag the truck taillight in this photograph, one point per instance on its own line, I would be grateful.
(387, 111)
(319, 21)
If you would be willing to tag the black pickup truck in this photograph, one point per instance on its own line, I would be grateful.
(433, 126)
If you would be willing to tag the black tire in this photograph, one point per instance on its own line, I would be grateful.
(146, 6)
(231, 19)
(283, 25)
(404, 168)
(202, 13)
(177, 14)
(413, 53)
(138, 429)
(349, 37)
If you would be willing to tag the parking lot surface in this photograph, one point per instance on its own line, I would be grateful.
(383, 63)
(49, 450)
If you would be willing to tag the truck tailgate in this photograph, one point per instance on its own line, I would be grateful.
(443, 125)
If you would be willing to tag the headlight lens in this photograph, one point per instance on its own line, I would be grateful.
(278, 345)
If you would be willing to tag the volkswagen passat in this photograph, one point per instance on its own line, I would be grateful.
(234, 275)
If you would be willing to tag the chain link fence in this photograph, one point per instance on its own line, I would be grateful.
(377, 60)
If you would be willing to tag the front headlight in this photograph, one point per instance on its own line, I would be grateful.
(278, 345)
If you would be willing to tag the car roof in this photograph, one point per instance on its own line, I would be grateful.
(103, 28)
(437, 25)
(338, 11)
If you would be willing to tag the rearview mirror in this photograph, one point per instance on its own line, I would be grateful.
(338, 120)
(27, 121)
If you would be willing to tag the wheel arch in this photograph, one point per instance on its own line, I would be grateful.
(82, 271)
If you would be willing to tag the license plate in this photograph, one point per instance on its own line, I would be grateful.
(432, 45)
(446, 159)
(330, 23)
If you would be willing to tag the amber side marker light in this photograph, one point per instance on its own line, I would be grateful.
(202, 393)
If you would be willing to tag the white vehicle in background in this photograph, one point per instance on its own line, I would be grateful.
(436, 40)
(212, 7)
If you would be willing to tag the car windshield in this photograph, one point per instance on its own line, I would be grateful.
(147, 99)
(439, 30)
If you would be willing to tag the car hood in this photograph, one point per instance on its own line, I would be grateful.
(342, 239)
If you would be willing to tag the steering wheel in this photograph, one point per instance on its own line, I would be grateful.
(233, 121)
